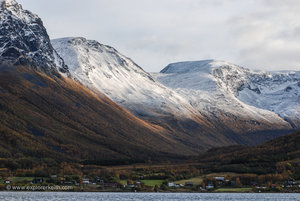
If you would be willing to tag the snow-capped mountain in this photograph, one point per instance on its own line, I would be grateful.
(24, 40)
(102, 68)
(203, 99)
(217, 88)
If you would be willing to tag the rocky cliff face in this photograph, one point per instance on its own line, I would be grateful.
(24, 40)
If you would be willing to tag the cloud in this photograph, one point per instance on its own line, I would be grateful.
(268, 36)
(257, 34)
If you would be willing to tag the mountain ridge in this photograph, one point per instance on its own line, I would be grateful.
(148, 97)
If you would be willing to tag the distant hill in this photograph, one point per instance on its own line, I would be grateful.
(275, 156)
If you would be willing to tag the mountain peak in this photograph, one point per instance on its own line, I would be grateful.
(9, 3)
(196, 66)
(90, 54)
(15, 8)
(24, 40)
(80, 42)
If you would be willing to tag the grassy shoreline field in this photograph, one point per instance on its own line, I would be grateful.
(212, 183)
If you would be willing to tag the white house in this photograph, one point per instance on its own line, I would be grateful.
(171, 184)
(85, 181)
(220, 178)
(209, 186)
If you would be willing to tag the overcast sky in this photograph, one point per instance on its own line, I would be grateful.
(258, 34)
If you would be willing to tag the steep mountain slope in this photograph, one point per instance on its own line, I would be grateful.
(41, 116)
(223, 91)
(24, 40)
(49, 116)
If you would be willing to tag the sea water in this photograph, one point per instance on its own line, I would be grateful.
(70, 196)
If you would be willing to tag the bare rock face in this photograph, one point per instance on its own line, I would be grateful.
(24, 40)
